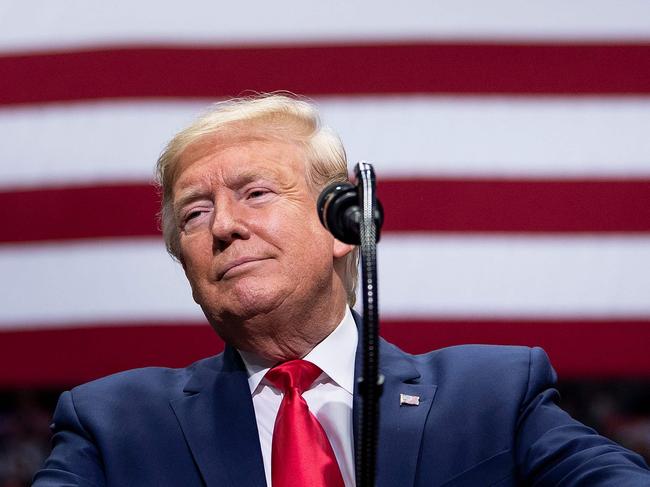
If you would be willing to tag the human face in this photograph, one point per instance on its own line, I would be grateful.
(250, 240)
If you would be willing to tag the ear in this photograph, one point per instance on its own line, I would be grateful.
(341, 249)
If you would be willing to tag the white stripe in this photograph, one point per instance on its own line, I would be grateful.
(403, 136)
(87, 142)
(42, 24)
(496, 136)
(92, 281)
(420, 276)
(514, 276)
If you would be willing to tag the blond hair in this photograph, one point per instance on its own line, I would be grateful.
(269, 116)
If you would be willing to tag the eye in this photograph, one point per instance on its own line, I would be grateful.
(192, 214)
(257, 193)
(194, 218)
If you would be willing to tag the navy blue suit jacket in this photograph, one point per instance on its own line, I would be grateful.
(487, 416)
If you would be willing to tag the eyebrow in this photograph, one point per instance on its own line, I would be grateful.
(189, 195)
(249, 176)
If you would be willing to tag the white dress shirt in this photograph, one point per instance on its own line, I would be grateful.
(329, 398)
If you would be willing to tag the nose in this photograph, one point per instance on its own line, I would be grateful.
(228, 223)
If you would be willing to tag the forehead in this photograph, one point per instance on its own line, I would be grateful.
(230, 161)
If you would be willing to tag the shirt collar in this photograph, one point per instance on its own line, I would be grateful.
(334, 355)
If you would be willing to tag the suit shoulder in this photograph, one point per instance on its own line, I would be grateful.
(479, 355)
(152, 382)
(485, 364)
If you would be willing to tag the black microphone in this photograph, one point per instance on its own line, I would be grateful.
(339, 210)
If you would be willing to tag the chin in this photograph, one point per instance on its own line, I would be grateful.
(243, 320)
(245, 299)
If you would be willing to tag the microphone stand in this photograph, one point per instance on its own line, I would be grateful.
(371, 382)
(354, 215)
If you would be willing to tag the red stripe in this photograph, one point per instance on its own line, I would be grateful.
(124, 210)
(70, 356)
(432, 205)
(516, 206)
(471, 67)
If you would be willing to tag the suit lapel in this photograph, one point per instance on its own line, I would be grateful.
(400, 426)
(218, 421)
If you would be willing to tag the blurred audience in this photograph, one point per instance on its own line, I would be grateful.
(619, 410)
(24, 434)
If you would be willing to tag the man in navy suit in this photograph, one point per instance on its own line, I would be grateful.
(239, 191)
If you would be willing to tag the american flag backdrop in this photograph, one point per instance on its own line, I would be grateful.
(511, 141)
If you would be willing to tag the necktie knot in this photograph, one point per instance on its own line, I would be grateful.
(298, 374)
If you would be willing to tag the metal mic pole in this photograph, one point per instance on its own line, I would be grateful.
(354, 215)
(370, 384)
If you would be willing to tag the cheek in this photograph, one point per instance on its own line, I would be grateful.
(314, 248)
(308, 237)
(196, 256)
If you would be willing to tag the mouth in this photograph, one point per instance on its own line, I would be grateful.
(233, 266)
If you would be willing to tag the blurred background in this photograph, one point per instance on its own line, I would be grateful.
(510, 140)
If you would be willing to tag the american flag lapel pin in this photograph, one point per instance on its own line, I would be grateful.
(407, 400)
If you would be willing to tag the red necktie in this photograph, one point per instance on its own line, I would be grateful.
(301, 454)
